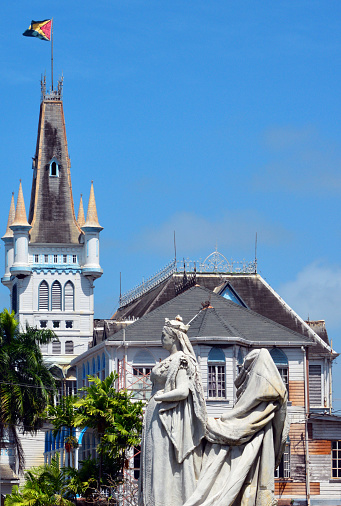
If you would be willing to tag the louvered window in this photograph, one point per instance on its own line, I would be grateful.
(44, 348)
(69, 297)
(56, 347)
(69, 347)
(43, 296)
(315, 385)
(56, 296)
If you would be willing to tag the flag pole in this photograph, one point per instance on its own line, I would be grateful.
(52, 53)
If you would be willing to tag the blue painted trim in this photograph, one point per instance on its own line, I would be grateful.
(92, 269)
(20, 227)
(56, 268)
(85, 228)
(23, 268)
(80, 439)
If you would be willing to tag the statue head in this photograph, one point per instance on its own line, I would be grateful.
(175, 331)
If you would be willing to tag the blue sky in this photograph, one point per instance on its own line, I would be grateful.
(216, 119)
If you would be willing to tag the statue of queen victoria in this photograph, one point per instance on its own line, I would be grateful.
(189, 459)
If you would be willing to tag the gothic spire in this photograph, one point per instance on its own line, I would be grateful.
(11, 215)
(52, 213)
(80, 216)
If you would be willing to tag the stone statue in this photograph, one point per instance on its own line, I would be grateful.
(188, 459)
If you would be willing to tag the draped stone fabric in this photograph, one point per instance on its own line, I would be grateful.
(245, 445)
(171, 450)
(234, 464)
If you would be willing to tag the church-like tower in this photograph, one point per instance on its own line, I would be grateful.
(52, 258)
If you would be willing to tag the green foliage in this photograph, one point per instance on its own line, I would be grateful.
(112, 413)
(44, 486)
(26, 384)
(62, 415)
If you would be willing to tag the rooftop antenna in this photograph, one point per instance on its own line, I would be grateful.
(256, 254)
(52, 52)
(174, 248)
(120, 287)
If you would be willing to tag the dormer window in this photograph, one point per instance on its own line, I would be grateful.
(54, 168)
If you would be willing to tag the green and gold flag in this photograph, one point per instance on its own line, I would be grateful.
(40, 29)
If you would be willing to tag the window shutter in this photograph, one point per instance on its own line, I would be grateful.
(56, 296)
(69, 347)
(69, 291)
(315, 385)
(44, 296)
(56, 347)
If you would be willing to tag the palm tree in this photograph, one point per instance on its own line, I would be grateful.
(116, 419)
(44, 486)
(63, 415)
(26, 383)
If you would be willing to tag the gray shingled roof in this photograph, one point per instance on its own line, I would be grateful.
(224, 319)
(51, 209)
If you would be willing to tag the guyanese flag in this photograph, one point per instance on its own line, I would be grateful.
(40, 29)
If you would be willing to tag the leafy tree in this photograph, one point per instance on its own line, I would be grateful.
(26, 383)
(44, 486)
(113, 415)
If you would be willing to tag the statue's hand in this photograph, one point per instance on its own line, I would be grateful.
(158, 394)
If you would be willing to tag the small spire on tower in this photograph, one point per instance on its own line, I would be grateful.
(20, 211)
(91, 217)
(80, 216)
(11, 215)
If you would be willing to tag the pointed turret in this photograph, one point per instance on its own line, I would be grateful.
(52, 213)
(20, 219)
(20, 227)
(8, 239)
(92, 228)
(80, 216)
(91, 216)
(11, 215)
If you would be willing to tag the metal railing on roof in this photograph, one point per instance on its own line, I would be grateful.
(213, 263)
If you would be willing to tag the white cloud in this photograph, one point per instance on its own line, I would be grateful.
(316, 292)
(199, 234)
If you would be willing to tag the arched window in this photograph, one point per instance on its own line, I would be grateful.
(103, 367)
(43, 297)
(216, 373)
(142, 366)
(281, 361)
(56, 296)
(15, 298)
(69, 347)
(69, 291)
(93, 367)
(98, 364)
(240, 360)
(56, 347)
(54, 168)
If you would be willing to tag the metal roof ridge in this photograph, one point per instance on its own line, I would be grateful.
(310, 330)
